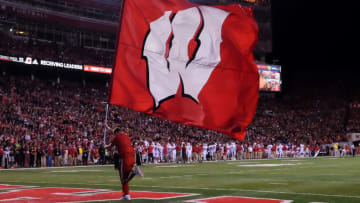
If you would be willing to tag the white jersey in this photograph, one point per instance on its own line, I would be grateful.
(173, 152)
(169, 148)
(233, 147)
(156, 151)
(66, 156)
(302, 148)
(161, 151)
(233, 150)
(228, 149)
(212, 149)
(188, 148)
(205, 151)
(269, 148)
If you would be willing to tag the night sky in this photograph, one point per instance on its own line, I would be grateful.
(316, 39)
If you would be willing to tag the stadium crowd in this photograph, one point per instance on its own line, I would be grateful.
(48, 122)
(53, 51)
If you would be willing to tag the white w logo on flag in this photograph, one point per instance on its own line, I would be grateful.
(183, 47)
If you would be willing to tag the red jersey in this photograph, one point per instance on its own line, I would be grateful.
(165, 150)
(178, 148)
(122, 142)
(95, 153)
(50, 151)
(72, 151)
(151, 148)
(143, 149)
(194, 149)
(1, 150)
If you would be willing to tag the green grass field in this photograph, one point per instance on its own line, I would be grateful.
(300, 180)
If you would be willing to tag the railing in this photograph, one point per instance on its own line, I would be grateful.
(28, 9)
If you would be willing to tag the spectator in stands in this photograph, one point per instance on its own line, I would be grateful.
(40, 114)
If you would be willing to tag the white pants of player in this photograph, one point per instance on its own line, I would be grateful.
(173, 155)
(189, 154)
(204, 155)
(233, 154)
(281, 154)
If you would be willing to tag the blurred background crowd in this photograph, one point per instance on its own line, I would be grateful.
(49, 117)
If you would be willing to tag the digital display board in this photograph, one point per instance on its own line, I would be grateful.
(270, 77)
(269, 81)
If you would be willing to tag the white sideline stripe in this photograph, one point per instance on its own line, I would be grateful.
(220, 189)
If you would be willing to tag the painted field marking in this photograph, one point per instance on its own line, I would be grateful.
(317, 202)
(266, 165)
(73, 171)
(258, 191)
(10, 187)
(171, 177)
(174, 166)
(223, 199)
(278, 183)
(244, 162)
(292, 160)
(219, 189)
(58, 194)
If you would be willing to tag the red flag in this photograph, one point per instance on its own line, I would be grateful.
(188, 63)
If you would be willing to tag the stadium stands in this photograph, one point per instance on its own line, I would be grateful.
(46, 121)
(66, 31)
(44, 117)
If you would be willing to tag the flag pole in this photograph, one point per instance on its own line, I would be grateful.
(106, 121)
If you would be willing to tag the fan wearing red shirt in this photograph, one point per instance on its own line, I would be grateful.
(126, 160)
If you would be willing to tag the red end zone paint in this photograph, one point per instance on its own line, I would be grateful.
(8, 187)
(226, 199)
(44, 195)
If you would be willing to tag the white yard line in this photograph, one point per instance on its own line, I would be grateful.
(278, 183)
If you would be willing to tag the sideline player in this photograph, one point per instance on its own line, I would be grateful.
(126, 159)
